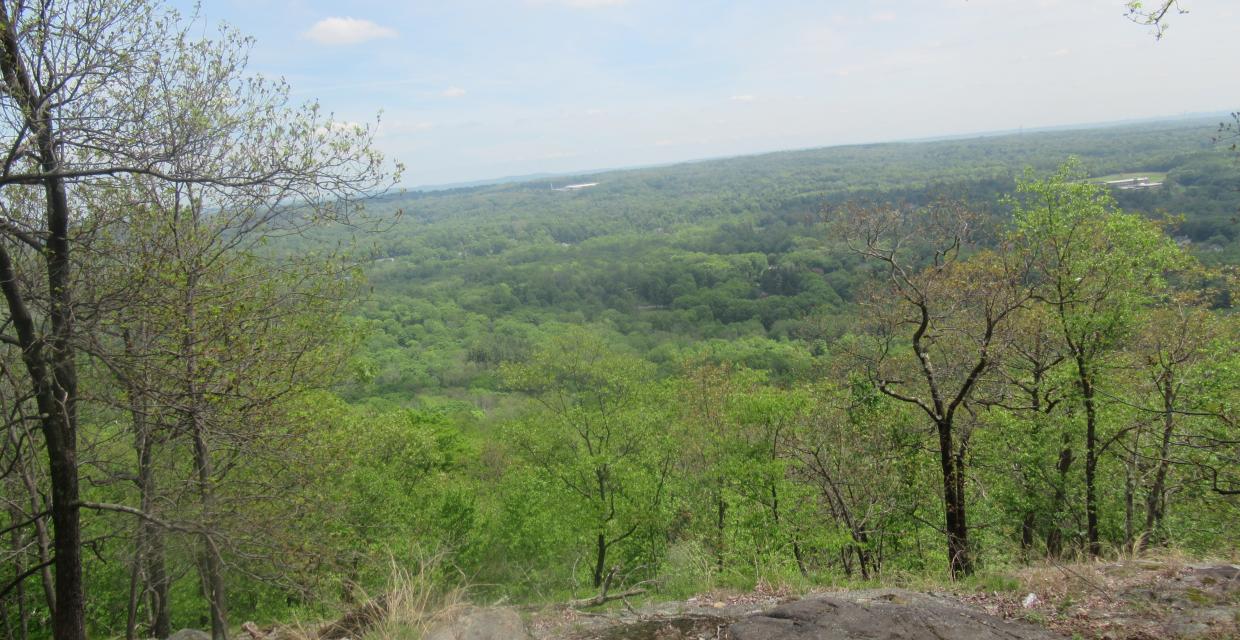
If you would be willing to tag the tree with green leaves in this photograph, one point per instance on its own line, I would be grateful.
(733, 432)
(1031, 389)
(210, 354)
(1094, 268)
(1183, 357)
(94, 92)
(600, 435)
(852, 448)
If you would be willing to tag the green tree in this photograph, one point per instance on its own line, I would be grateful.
(95, 91)
(1094, 268)
(1184, 356)
(210, 352)
(600, 435)
(1038, 438)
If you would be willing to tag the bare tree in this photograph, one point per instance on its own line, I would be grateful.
(1155, 15)
(937, 325)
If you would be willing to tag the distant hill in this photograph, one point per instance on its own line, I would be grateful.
(1209, 120)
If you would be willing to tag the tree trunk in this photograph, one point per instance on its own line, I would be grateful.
(796, 546)
(1132, 470)
(210, 565)
(135, 582)
(958, 560)
(158, 584)
(600, 562)
(57, 400)
(1054, 536)
(19, 567)
(721, 508)
(1085, 378)
(150, 545)
(42, 539)
(1091, 466)
(1155, 502)
(1027, 530)
(69, 618)
(212, 574)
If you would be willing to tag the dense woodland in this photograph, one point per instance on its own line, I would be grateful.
(237, 387)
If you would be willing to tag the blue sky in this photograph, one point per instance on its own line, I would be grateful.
(474, 89)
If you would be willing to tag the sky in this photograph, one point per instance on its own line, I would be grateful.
(477, 89)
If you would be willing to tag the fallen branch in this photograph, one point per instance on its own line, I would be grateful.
(604, 597)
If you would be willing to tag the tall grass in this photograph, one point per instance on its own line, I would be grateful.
(417, 600)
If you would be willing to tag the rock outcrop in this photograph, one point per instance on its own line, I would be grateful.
(889, 614)
(886, 614)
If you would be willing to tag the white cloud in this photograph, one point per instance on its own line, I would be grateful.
(1059, 53)
(337, 30)
(452, 92)
(883, 16)
(745, 97)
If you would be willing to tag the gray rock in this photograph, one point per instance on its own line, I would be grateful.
(190, 634)
(483, 623)
(889, 614)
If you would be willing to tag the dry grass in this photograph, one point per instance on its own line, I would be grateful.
(1148, 595)
(413, 603)
(416, 603)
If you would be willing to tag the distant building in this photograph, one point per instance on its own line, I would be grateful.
(1126, 184)
(576, 187)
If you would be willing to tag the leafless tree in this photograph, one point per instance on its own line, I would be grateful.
(937, 323)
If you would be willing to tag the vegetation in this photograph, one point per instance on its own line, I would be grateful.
(812, 366)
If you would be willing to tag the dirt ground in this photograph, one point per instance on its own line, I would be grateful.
(1127, 600)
